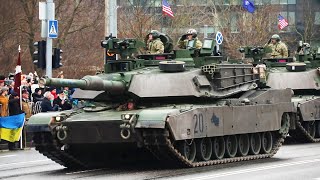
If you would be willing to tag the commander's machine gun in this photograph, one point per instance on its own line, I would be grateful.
(126, 49)
(305, 54)
(305, 57)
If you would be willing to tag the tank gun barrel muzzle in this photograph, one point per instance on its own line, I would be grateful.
(86, 83)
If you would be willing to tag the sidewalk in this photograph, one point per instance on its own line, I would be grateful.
(4, 144)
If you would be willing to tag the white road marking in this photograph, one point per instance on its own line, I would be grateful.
(253, 170)
(26, 162)
(79, 172)
(7, 156)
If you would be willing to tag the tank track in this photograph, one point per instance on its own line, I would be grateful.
(302, 135)
(47, 145)
(165, 150)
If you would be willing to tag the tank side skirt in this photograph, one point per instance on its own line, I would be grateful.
(225, 120)
(308, 111)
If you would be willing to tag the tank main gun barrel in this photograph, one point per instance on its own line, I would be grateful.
(86, 83)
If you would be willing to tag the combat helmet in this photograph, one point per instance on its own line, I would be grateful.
(276, 36)
(155, 34)
(193, 32)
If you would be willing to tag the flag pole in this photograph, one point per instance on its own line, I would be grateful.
(21, 134)
(17, 89)
(163, 16)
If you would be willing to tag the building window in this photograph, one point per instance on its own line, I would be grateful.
(235, 2)
(208, 30)
(317, 18)
(201, 2)
(283, 2)
(258, 2)
(291, 1)
(234, 23)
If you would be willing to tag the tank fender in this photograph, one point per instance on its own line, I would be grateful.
(40, 122)
(310, 109)
(154, 118)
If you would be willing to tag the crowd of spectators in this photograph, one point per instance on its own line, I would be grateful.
(33, 98)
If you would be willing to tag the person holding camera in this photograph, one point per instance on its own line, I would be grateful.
(279, 49)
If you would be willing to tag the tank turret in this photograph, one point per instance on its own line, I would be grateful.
(86, 83)
(302, 75)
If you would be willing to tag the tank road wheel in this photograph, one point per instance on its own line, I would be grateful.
(231, 146)
(188, 149)
(310, 127)
(266, 142)
(204, 149)
(243, 145)
(255, 143)
(218, 147)
(318, 129)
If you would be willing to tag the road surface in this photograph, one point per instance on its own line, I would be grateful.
(295, 161)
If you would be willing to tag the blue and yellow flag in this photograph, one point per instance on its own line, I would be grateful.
(11, 127)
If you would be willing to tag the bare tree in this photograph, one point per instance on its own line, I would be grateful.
(136, 20)
(80, 30)
(307, 29)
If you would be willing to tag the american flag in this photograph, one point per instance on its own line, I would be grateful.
(282, 22)
(166, 8)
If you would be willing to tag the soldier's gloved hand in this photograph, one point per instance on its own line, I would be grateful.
(183, 37)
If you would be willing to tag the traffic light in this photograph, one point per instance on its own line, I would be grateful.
(56, 58)
(39, 55)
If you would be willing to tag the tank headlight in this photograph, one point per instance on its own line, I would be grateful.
(127, 116)
(58, 118)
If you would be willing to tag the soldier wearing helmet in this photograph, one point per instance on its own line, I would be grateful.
(154, 44)
(279, 49)
(191, 35)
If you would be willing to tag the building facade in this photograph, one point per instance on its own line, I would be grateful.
(228, 16)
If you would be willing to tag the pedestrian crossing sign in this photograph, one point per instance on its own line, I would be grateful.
(52, 28)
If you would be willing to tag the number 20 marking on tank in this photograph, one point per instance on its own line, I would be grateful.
(199, 125)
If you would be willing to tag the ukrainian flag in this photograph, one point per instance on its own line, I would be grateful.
(11, 127)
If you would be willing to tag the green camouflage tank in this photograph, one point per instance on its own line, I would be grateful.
(185, 108)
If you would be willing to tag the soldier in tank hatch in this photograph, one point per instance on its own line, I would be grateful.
(279, 49)
(154, 43)
(189, 40)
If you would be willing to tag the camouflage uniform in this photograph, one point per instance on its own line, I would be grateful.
(155, 46)
(279, 50)
(183, 43)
